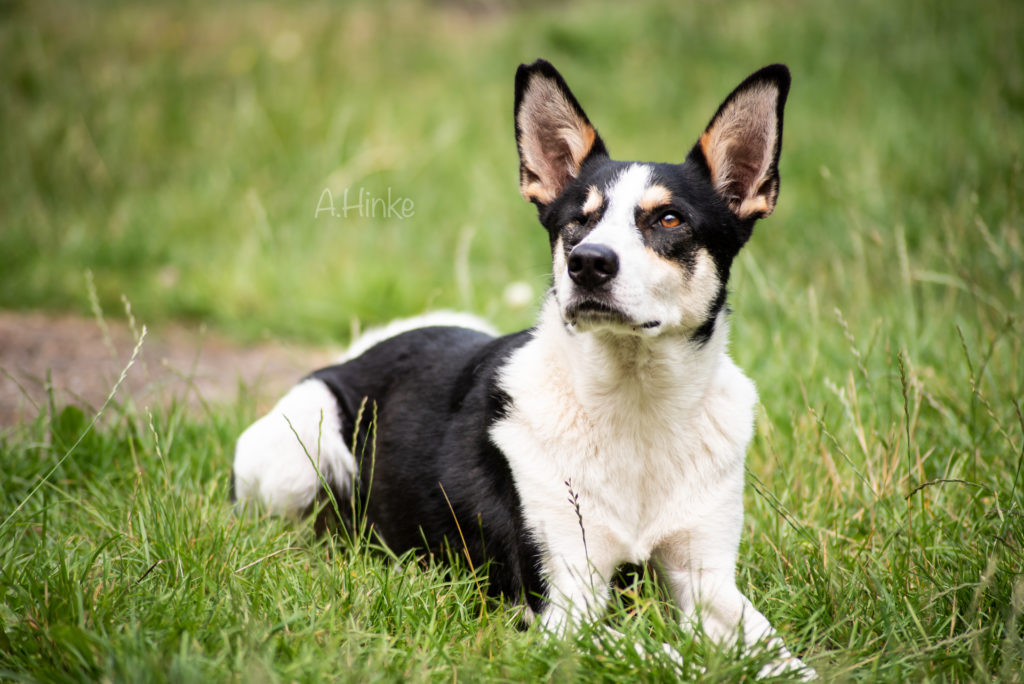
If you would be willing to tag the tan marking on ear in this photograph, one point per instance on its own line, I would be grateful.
(589, 136)
(754, 205)
(712, 159)
(739, 148)
(595, 200)
(535, 191)
(554, 140)
(654, 196)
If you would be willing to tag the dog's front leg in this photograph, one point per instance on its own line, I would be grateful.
(711, 601)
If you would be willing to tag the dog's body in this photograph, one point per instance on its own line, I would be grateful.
(613, 432)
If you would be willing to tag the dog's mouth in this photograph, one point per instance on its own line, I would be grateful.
(593, 313)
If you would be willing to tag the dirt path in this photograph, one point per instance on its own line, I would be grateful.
(82, 364)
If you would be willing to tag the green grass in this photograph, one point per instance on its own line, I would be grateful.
(179, 151)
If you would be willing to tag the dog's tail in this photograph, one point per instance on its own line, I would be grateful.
(289, 455)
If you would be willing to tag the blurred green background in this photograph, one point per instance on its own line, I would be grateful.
(179, 151)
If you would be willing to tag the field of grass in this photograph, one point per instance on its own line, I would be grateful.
(179, 152)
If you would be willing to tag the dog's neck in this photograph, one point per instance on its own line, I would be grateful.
(663, 372)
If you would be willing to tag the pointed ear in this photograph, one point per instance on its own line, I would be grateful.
(553, 134)
(741, 145)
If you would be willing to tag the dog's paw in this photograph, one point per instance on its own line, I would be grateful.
(788, 666)
(667, 650)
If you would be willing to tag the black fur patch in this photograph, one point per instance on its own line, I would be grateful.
(429, 454)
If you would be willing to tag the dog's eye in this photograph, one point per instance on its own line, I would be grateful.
(670, 220)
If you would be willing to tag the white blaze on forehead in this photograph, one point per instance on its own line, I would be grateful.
(617, 228)
(627, 190)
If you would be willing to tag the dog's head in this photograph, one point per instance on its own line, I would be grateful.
(645, 248)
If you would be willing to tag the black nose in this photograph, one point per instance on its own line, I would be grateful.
(591, 266)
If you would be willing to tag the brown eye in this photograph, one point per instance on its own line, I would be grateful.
(670, 220)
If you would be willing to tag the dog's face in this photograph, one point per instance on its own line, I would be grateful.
(645, 248)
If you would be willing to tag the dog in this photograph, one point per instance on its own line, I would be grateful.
(613, 432)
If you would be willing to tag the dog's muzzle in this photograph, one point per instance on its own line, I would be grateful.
(593, 267)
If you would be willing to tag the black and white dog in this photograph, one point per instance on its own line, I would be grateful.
(623, 396)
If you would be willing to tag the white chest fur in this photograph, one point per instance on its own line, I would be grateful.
(650, 436)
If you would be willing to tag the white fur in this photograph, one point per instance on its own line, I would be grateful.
(375, 336)
(277, 457)
(651, 434)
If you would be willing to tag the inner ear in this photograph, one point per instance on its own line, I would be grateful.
(553, 133)
(741, 145)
